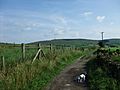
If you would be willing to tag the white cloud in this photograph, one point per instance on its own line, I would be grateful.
(100, 18)
(86, 13)
(111, 23)
(58, 31)
(62, 19)
(58, 19)
(77, 34)
(28, 28)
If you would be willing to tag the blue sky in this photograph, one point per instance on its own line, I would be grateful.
(35, 20)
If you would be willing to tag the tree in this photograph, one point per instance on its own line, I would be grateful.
(101, 44)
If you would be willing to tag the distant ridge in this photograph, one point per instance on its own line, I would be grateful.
(76, 42)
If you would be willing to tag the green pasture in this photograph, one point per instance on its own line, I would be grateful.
(27, 76)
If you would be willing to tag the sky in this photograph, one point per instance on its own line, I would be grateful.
(23, 21)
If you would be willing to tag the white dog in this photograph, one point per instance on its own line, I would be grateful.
(81, 78)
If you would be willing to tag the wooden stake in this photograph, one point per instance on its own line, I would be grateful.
(36, 55)
(39, 46)
(50, 47)
(23, 51)
(3, 63)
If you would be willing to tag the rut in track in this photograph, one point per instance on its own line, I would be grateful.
(65, 80)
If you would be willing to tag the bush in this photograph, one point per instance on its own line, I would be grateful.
(99, 79)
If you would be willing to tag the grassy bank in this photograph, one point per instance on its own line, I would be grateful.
(100, 79)
(116, 58)
(27, 76)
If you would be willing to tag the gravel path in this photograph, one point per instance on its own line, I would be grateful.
(65, 80)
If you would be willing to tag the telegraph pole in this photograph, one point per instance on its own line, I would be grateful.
(102, 35)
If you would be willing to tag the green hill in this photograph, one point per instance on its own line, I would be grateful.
(69, 42)
(75, 42)
(114, 41)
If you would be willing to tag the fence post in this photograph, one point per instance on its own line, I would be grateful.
(3, 63)
(23, 51)
(39, 46)
(50, 47)
(14, 45)
(63, 48)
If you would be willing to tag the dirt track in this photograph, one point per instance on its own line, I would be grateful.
(65, 80)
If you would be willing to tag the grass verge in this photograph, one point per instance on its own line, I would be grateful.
(36, 76)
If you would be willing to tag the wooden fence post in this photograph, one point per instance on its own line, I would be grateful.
(63, 48)
(50, 47)
(14, 45)
(23, 51)
(3, 63)
(36, 55)
(39, 46)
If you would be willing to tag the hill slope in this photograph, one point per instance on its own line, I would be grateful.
(73, 42)
(68, 42)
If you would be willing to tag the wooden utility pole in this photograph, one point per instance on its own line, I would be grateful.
(102, 35)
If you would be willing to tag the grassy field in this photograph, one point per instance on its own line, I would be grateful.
(114, 57)
(112, 48)
(26, 76)
(22, 75)
(13, 55)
